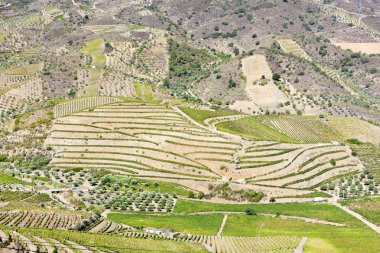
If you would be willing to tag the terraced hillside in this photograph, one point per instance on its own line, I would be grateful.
(39, 219)
(163, 143)
(42, 240)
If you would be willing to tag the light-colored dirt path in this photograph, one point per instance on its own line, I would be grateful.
(220, 231)
(359, 217)
(300, 246)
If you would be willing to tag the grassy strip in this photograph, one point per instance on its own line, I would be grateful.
(6, 179)
(197, 146)
(177, 178)
(209, 152)
(187, 129)
(134, 112)
(270, 155)
(171, 124)
(125, 117)
(169, 135)
(85, 125)
(215, 160)
(188, 139)
(101, 168)
(260, 165)
(263, 145)
(307, 195)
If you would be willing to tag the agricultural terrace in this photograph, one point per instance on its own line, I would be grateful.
(254, 129)
(157, 142)
(291, 47)
(19, 86)
(72, 241)
(307, 129)
(350, 128)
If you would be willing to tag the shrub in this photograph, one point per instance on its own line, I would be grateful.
(191, 195)
(276, 76)
(250, 211)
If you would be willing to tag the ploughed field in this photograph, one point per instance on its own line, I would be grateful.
(161, 142)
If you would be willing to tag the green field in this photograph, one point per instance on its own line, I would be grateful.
(143, 91)
(108, 243)
(321, 211)
(252, 128)
(6, 179)
(14, 195)
(353, 239)
(193, 224)
(95, 49)
(201, 115)
(368, 207)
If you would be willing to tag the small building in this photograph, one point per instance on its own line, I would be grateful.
(167, 231)
(153, 231)
(319, 199)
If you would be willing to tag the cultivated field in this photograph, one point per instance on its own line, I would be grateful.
(260, 88)
(366, 48)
